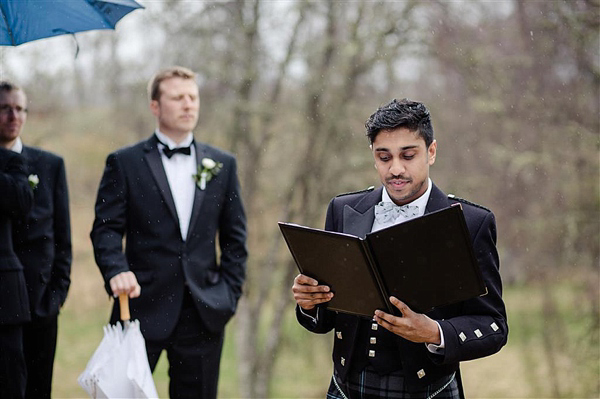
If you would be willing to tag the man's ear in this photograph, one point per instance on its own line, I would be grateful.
(154, 107)
(431, 153)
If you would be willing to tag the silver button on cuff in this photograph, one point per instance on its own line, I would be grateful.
(371, 353)
(374, 326)
(421, 373)
(462, 336)
(373, 340)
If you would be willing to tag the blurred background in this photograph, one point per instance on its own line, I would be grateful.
(514, 91)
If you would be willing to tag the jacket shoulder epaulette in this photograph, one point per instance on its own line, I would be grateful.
(464, 201)
(366, 190)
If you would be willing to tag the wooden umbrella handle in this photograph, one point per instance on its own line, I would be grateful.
(124, 306)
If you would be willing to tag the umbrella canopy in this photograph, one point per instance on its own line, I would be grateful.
(119, 367)
(26, 20)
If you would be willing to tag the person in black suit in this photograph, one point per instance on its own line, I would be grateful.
(42, 241)
(414, 355)
(174, 200)
(15, 201)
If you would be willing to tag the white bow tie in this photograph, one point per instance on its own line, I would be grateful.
(386, 212)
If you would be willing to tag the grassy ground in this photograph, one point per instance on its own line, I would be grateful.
(520, 370)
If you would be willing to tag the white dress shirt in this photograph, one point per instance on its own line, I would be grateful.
(179, 170)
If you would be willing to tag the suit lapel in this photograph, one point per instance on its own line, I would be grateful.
(154, 161)
(27, 154)
(437, 200)
(31, 157)
(358, 220)
(198, 194)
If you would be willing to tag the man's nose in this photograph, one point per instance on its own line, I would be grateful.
(397, 168)
(188, 102)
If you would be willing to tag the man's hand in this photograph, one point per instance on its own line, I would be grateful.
(125, 283)
(415, 327)
(308, 293)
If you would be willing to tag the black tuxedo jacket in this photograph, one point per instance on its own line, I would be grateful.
(134, 201)
(472, 329)
(42, 240)
(15, 201)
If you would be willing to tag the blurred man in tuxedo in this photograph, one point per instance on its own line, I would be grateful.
(415, 355)
(42, 241)
(174, 198)
(15, 202)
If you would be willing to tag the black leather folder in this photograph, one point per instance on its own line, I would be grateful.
(425, 262)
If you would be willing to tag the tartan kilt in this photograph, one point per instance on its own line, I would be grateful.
(367, 384)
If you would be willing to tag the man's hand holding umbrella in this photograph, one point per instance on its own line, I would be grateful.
(125, 283)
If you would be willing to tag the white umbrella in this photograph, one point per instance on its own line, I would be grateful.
(119, 367)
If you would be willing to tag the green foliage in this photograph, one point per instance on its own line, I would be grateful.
(555, 327)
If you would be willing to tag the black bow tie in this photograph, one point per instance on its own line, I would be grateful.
(181, 150)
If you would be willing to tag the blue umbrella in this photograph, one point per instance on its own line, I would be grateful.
(26, 20)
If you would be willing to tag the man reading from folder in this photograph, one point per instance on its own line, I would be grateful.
(413, 355)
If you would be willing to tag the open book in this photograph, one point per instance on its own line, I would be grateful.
(425, 262)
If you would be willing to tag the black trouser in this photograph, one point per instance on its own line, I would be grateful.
(13, 372)
(194, 355)
(39, 345)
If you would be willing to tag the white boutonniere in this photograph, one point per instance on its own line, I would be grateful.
(33, 180)
(207, 169)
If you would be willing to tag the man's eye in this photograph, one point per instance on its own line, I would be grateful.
(409, 156)
(384, 159)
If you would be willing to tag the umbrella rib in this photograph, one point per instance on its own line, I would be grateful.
(8, 29)
(95, 14)
(98, 7)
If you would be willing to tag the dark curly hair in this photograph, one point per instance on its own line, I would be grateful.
(405, 113)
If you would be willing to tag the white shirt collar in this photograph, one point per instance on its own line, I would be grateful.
(170, 143)
(17, 146)
(421, 202)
